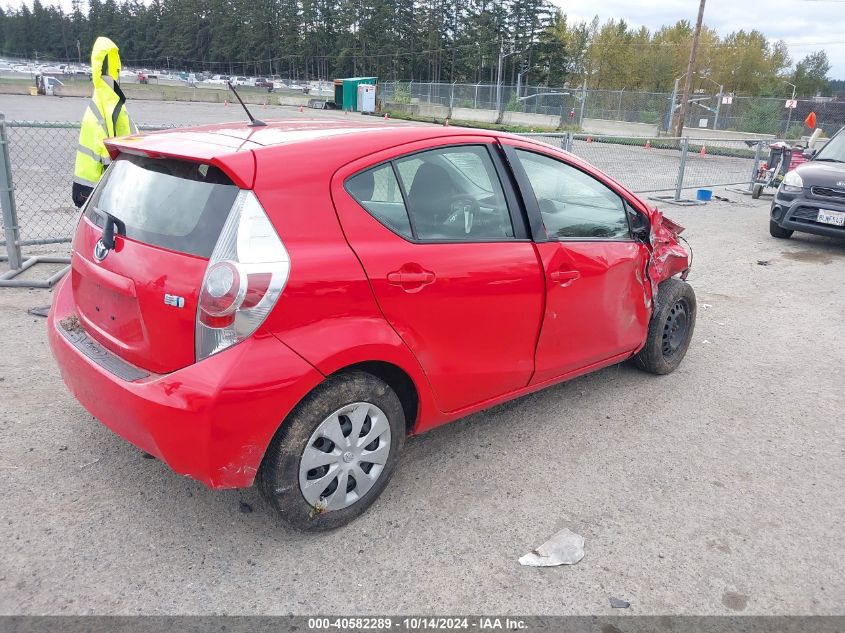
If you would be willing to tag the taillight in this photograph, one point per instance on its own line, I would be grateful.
(246, 274)
(223, 291)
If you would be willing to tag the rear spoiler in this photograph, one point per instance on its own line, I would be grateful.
(236, 159)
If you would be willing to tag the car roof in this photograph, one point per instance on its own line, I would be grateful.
(309, 130)
(335, 141)
(240, 136)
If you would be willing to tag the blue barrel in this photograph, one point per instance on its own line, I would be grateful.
(705, 195)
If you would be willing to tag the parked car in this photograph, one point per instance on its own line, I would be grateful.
(811, 197)
(220, 80)
(46, 85)
(290, 327)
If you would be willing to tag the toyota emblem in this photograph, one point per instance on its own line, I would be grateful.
(100, 251)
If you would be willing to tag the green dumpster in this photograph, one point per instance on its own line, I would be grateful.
(346, 91)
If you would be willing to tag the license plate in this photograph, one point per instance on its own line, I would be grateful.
(837, 218)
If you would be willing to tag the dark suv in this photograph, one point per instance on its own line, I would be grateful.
(811, 197)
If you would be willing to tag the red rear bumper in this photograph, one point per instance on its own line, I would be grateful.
(211, 421)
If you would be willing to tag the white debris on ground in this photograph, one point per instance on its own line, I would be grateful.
(564, 548)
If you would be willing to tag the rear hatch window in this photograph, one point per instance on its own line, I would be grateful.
(173, 204)
(140, 300)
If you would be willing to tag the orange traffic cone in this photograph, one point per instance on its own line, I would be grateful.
(301, 109)
(226, 102)
(446, 123)
(589, 139)
(703, 151)
(385, 116)
(648, 144)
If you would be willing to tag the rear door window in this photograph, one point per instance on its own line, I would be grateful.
(174, 204)
(454, 194)
(449, 194)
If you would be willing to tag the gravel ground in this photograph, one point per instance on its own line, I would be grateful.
(715, 490)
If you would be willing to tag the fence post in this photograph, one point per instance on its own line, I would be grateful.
(568, 142)
(680, 184)
(7, 200)
(583, 103)
(758, 155)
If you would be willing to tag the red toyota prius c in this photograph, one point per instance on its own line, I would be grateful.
(284, 304)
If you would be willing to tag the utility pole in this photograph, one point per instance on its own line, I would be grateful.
(682, 111)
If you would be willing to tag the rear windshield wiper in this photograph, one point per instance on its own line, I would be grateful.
(111, 223)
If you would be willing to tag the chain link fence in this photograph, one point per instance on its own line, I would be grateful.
(752, 115)
(651, 166)
(36, 174)
(37, 159)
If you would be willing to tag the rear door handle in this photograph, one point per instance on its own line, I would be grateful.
(564, 277)
(410, 280)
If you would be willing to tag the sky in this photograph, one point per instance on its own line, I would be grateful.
(805, 25)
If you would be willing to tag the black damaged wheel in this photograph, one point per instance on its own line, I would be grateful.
(670, 329)
(333, 456)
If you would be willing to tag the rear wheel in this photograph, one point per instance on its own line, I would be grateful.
(670, 329)
(335, 453)
(775, 230)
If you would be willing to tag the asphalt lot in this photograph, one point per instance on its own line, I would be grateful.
(717, 489)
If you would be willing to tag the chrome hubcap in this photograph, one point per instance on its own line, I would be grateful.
(345, 456)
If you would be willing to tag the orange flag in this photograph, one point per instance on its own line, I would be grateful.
(811, 120)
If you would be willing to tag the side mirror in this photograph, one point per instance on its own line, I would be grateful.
(809, 153)
(639, 224)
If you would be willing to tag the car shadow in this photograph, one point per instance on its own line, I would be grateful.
(817, 249)
(170, 504)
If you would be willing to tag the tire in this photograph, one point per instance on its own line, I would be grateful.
(331, 409)
(670, 329)
(775, 230)
(756, 191)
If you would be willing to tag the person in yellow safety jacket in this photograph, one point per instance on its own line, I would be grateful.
(104, 118)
